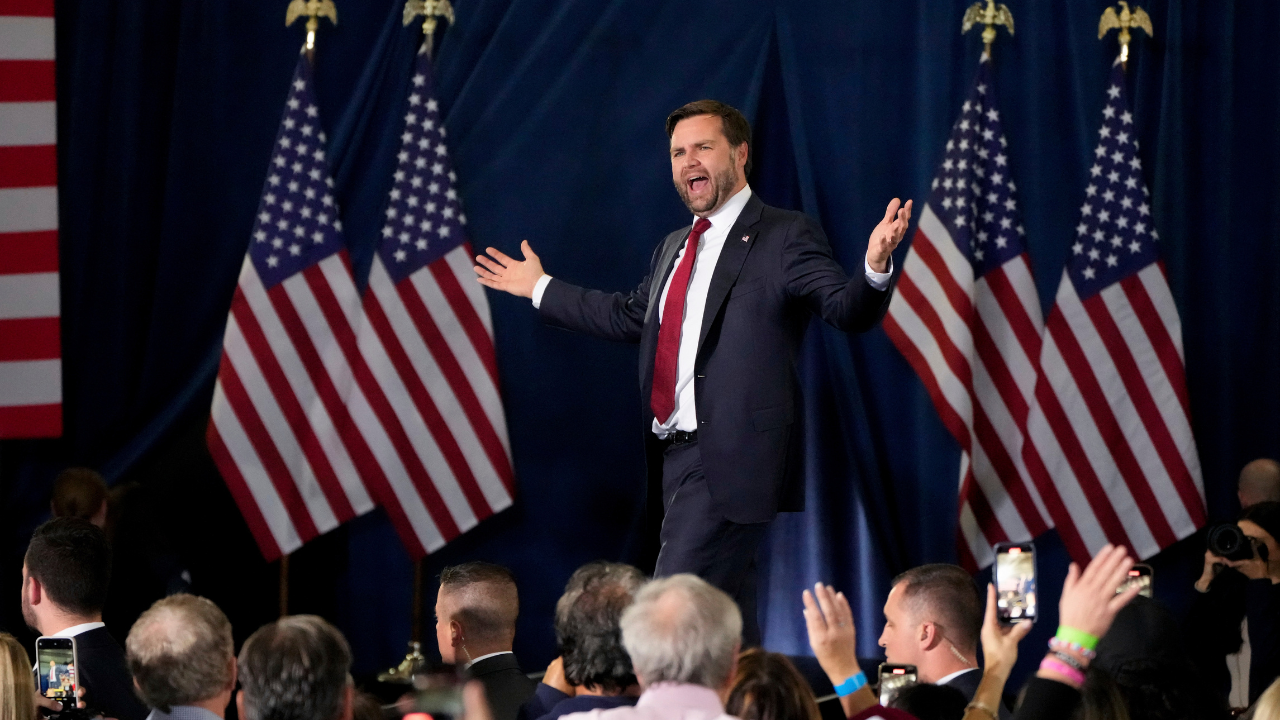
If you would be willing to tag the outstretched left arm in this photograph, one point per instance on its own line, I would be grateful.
(812, 274)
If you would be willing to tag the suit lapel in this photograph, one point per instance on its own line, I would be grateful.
(737, 244)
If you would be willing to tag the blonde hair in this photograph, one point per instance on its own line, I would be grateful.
(1268, 707)
(17, 686)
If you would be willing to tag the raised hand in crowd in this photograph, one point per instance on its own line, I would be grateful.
(834, 640)
(1000, 653)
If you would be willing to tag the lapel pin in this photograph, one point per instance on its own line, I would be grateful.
(746, 238)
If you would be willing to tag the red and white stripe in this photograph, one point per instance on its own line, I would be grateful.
(428, 344)
(280, 429)
(1111, 446)
(30, 344)
(974, 344)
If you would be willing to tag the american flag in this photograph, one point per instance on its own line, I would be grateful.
(967, 318)
(30, 345)
(280, 431)
(429, 343)
(1111, 446)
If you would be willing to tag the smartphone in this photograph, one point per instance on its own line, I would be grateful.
(893, 678)
(56, 668)
(1141, 576)
(1016, 593)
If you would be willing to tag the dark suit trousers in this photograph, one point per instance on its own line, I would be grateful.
(696, 538)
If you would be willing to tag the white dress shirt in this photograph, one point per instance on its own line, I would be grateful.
(685, 416)
(75, 630)
(487, 656)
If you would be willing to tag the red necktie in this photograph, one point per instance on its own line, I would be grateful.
(662, 400)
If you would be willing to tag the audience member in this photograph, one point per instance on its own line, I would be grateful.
(17, 687)
(683, 636)
(79, 492)
(64, 584)
(931, 620)
(927, 701)
(476, 612)
(183, 659)
(1259, 482)
(1233, 626)
(1100, 698)
(593, 670)
(834, 640)
(767, 686)
(296, 668)
(1086, 610)
(1145, 655)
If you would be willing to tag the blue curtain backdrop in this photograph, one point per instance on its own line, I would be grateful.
(167, 112)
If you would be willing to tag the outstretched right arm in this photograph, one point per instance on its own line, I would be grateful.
(612, 316)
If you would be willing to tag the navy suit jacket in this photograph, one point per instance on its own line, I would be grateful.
(774, 273)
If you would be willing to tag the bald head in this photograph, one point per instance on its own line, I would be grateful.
(476, 611)
(1259, 482)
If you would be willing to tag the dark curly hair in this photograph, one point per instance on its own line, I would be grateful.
(587, 625)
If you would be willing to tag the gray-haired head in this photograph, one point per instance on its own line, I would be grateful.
(180, 652)
(588, 630)
(682, 629)
(296, 668)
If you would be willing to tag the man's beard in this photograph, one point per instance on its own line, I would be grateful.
(722, 184)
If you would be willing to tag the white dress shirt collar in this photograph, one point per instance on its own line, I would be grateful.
(948, 678)
(75, 630)
(489, 655)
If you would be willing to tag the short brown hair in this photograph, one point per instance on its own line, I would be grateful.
(768, 687)
(736, 128)
(945, 595)
(488, 601)
(78, 492)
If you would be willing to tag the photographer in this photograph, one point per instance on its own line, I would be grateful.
(1233, 624)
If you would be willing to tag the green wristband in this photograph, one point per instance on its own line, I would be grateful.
(1077, 637)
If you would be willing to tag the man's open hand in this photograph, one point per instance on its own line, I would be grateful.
(886, 236)
(832, 635)
(500, 272)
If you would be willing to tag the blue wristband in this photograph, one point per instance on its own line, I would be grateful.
(852, 685)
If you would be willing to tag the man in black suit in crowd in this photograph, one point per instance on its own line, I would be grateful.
(64, 586)
(719, 319)
(476, 611)
(932, 619)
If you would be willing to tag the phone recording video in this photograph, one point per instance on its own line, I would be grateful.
(1140, 575)
(894, 678)
(56, 667)
(1015, 580)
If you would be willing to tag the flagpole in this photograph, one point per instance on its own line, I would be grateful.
(414, 661)
(284, 585)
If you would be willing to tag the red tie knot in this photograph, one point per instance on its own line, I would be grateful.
(700, 227)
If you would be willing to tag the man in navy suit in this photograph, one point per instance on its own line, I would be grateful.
(719, 321)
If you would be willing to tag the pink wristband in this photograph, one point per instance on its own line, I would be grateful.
(1062, 669)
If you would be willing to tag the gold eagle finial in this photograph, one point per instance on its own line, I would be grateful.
(431, 9)
(314, 10)
(1125, 21)
(990, 16)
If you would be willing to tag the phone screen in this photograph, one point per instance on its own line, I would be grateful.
(56, 667)
(1141, 576)
(1016, 595)
(893, 678)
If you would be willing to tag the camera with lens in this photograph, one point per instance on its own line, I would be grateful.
(1229, 542)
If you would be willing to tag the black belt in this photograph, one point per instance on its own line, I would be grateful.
(681, 437)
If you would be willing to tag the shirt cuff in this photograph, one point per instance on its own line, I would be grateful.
(877, 280)
(540, 287)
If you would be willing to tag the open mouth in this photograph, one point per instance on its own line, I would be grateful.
(698, 183)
